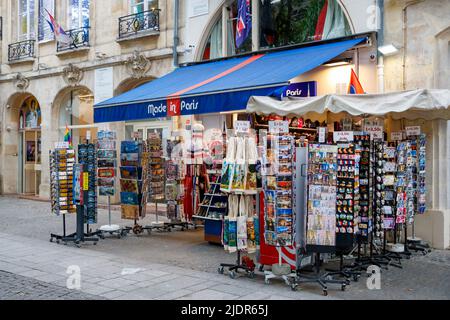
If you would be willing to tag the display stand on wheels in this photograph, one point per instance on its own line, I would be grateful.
(321, 213)
(240, 182)
(106, 174)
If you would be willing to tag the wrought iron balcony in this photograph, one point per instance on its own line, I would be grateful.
(21, 50)
(139, 23)
(79, 39)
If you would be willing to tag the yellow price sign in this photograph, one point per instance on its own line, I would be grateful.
(85, 181)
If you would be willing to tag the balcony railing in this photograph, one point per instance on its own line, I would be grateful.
(21, 50)
(139, 23)
(79, 37)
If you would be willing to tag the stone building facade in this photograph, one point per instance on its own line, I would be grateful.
(120, 43)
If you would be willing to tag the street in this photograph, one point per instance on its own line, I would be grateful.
(175, 265)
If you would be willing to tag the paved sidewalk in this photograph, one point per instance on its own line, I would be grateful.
(112, 277)
(15, 287)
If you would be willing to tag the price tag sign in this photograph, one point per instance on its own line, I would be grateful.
(413, 131)
(242, 126)
(376, 132)
(343, 136)
(397, 136)
(62, 145)
(85, 181)
(279, 126)
(322, 134)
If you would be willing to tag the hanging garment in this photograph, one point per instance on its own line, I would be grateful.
(233, 208)
(242, 224)
(188, 196)
(238, 181)
(251, 153)
(228, 166)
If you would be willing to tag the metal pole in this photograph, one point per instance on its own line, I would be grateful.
(109, 210)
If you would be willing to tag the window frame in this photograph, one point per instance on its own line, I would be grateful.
(134, 3)
(31, 32)
(52, 11)
(80, 23)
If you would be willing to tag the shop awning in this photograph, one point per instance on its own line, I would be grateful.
(415, 104)
(218, 86)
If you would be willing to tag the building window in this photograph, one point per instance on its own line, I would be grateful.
(44, 31)
(78, 14)
(26, 29)
(139, 6)
(286, 22)
(214, 47)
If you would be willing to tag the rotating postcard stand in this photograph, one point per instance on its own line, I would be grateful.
(278, 150)
(106, 174)
(321, 219)
(240, 182)
(62, 162)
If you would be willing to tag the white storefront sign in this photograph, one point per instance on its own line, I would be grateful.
(198, 7)
(279, 126)
(413, 131)
(104, 86)
(242, 126)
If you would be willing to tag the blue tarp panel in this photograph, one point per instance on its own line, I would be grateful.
(218, 86)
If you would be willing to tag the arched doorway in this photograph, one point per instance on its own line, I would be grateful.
(74, 109)
(25, 135)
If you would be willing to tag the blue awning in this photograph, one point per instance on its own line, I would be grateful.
(218, 86)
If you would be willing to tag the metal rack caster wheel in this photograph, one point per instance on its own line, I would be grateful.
(51, 239)
(267, 281)
(95, 243)
(261, 268)
(149, 232)
(293, 287)
(119, 236)
(343, 287)
(325, 293)
(251, 275)
(220, 270)
(232, 275)
(355, 278)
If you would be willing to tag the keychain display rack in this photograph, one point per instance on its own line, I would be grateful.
(87, 155)
(62, 161)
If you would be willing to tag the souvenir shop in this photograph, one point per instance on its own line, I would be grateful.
(286, 185)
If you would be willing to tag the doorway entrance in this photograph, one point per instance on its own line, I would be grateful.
(29, 147)
(145, 129)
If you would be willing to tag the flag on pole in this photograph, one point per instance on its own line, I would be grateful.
(60, 34)
(244, 22)
(68, 137)
(355, 86)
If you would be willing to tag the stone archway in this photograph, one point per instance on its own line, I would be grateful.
(22, 145)
(131, 83)
(73, 106)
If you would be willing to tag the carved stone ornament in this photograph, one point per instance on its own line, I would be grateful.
(21, 82)
(72, 75)
(137, 65)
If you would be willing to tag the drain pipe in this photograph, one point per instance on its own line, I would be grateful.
(380, 67)
(175, 32)
(405, 39)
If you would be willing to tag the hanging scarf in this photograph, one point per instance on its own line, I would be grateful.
(251, 153)
(233, 209)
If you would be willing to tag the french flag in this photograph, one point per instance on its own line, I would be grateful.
(60, 34)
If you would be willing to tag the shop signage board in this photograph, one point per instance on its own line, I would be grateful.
(397, 136)
(413, 131)
(343, 136)
(242, 126)
(62, 145)
(301, 89)
(279, 126)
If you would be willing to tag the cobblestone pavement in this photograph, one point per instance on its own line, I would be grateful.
(15, 287)
(176, 265)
